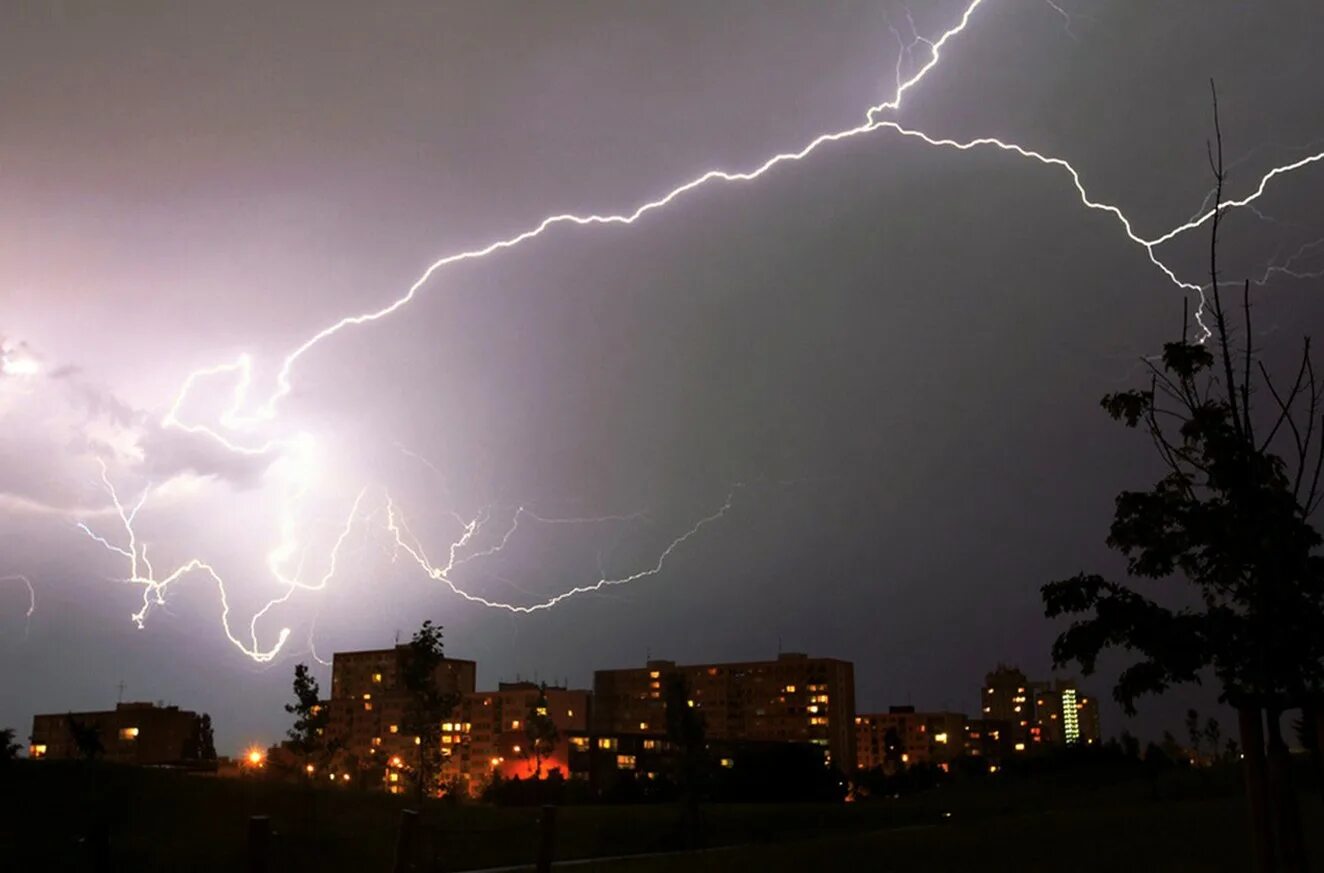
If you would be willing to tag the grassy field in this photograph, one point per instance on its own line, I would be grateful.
(170, 821)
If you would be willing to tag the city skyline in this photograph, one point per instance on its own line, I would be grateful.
(795, 410)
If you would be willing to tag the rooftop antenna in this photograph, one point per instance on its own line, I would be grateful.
(120, 686)
(397, 636)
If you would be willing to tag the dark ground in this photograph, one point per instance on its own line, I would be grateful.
(1101, 820)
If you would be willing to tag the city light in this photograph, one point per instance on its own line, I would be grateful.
(255, 757)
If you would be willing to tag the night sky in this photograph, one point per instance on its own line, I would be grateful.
(888, 356)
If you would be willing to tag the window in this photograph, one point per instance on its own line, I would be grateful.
(580, 743)
(367, 706)
(516, 749)
(940, 738)
(1020, 747)
(790, 689)
(625, 762)
(376, 741)
(643, 725)
(38, 750)
(606, 742)
(514, 724)
(818, 720)
(542, 710)
(569, 713)
(129, 733)
(377, 678)
(728, 763)
(395, 728)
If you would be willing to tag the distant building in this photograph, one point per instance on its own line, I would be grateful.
(131, 733)
(369, 701)
(1039, 714)
(918, 738)
(488, 733)
(794, 698)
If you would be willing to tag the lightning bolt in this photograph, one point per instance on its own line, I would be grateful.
(32, 595)
(142, 573)
(877, 118)
(406, 542)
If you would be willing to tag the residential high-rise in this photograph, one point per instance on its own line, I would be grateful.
(794, 698)
(903, 737)
(369, 702)
(489, 733)
(131, 733)
(1038, 713)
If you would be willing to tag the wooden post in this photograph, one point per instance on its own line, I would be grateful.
(546, 839)
(259, 844)
(405, 841)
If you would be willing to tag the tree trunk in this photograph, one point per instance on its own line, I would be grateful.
(1286, 814)
(1251, 724)
(1317, 750)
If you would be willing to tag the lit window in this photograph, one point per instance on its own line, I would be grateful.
(569, 713)
(345, 776)
(790, 689)
(625, 762)
(654, 674)
(447, 726)
(690, 704)
(395, 728)
(393, 776)
(397, 761)
(38, 750)
(643, 725)
(309, 769)
(1020, 747)
(606, 742)
(129, 733)
(514, 724)
(818, 719)
(905, 758)
(376, 741)
(940, 738)
(446, 739)
(377, 678)
(367, 706)
(418, 741)
(992, 768)
(367, 697)
(728, 763)
(812, 707)
(580, 743)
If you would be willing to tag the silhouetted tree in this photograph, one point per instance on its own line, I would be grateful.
(892, 751)
(201, 746)
(308, 733)
(687, 735)
(8, 748)
(86, 737)
(1231, 518)
(540, 732)
(428, 705)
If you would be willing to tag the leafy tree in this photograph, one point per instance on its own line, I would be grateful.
(308, 734)
(8, 748)
(1193, 731)
(1230, 517)
(892, 751)
(687, 735)
(540, 732)
(428, 704)
(86, 737)
(201, 746)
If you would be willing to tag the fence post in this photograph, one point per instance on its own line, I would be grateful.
(259, 844)
(546, 838)
(405, 840)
